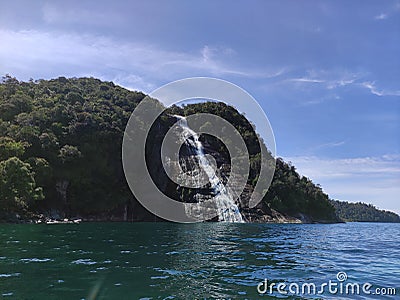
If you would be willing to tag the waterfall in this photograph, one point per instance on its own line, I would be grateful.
(227, 209)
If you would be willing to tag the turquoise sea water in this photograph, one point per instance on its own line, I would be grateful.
(193, 261)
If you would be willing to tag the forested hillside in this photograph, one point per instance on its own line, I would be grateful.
(60, 153)
(60, 143)
(362, 212)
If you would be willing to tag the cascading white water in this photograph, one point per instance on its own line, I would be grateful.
(227, 209)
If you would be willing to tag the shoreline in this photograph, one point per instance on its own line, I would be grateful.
(273, 217)
(78, 220)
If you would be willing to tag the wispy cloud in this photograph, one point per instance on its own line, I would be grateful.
(388, 12)
(372, 88)
(322, 99)
(40, 54)
(212, 60)
(307, 80)
(341, 82)
(330, 145)
(379, 92)
(347, 167)
(132, 82)
(381, 16)
(313, 86)
(333, 79)
(329, 79)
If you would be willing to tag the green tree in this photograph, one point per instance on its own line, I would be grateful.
(14, 105)
(69, 153)
(17, 186)
(10, 148)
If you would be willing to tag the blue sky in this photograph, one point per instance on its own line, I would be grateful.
(326, 73)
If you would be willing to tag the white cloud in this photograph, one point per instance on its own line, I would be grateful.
(371, 87)
(348, 167)
(331, 145)
(373, 180)
(389, 12)
(206, 53)
(330, 79)
(42, 55)
(340, 82)
(307, 80)
(322, 99)
(379, 92)
(133, 82)
(381, 16)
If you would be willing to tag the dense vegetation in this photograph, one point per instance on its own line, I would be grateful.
(362, 212)
(60, 152)
(292, 194)
(60, 143)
